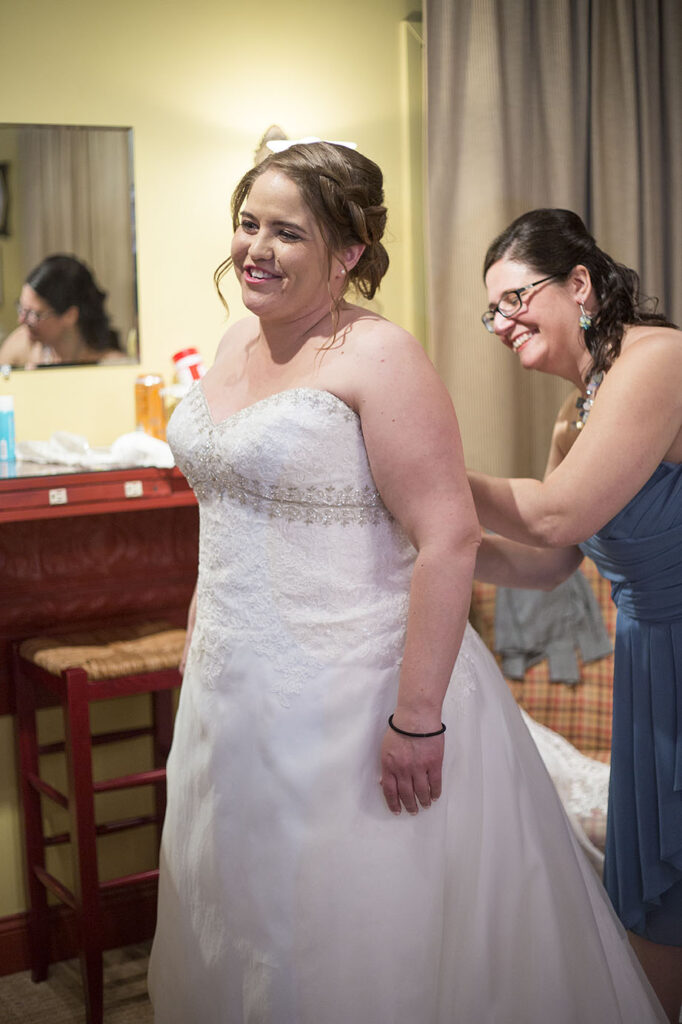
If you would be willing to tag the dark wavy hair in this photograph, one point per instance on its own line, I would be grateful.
(554, 242)
(344, 191)
(64, 281)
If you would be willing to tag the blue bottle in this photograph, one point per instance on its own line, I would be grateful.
(7, 453)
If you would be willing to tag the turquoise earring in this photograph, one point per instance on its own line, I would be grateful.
(585, 320)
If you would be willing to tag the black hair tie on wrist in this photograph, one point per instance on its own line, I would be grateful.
(416, 735)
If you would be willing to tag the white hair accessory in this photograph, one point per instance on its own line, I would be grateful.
(279, 145)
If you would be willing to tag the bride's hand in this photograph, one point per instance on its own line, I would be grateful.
(411, 771)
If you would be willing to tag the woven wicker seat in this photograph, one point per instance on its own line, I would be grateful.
(108, 653)
(74, 670)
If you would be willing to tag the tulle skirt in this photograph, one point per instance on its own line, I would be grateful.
(289, 894)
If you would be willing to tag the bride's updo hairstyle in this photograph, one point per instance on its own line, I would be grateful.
(554, 242)
(344, 191)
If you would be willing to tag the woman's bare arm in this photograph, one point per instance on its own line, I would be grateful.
(414, 449)
(636, 419)
(510, 564)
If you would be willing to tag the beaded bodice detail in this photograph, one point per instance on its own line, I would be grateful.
(287, 504)
(278, 488)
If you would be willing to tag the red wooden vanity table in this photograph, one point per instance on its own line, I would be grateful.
(80, 550)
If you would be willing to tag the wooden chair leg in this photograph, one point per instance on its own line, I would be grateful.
(74, 693)
(83, 839)
(29, 767)
(92, 973)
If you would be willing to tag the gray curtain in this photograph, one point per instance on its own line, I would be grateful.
(572, 103)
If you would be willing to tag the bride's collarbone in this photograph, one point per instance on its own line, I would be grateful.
(234, 383)
(226, 401)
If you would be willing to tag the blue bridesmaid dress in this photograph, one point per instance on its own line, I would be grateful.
(640, 552)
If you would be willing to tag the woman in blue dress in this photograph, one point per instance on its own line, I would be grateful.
(565, 307)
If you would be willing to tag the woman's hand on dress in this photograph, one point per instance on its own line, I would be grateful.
(411, 770)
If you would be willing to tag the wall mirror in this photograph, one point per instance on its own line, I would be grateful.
(69, 189)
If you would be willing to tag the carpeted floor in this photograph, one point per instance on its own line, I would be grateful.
(59, 1000)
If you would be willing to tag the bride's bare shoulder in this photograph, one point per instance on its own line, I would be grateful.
(373, 337)
(237, 336)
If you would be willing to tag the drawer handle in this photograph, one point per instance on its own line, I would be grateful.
(58, 496)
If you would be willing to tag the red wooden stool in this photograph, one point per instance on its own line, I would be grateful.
(76, 669)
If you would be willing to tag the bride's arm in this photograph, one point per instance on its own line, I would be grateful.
(414, 449)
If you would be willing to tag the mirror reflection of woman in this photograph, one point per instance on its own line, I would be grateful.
(62, 319)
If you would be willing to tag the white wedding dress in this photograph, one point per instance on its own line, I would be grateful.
(289, 894)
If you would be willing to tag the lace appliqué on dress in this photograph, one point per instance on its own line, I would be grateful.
(464, 680)
(288, 502)
(582, 782)
(207, 649)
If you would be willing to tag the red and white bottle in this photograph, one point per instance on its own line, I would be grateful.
(189, 366)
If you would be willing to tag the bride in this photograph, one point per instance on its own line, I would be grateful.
(330, 852)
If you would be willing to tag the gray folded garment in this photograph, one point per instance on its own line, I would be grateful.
(531, 625)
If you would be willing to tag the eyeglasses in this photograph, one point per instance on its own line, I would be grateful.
(510, 303)
(32, 316)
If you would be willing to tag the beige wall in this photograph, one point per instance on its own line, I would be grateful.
(199, 83)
